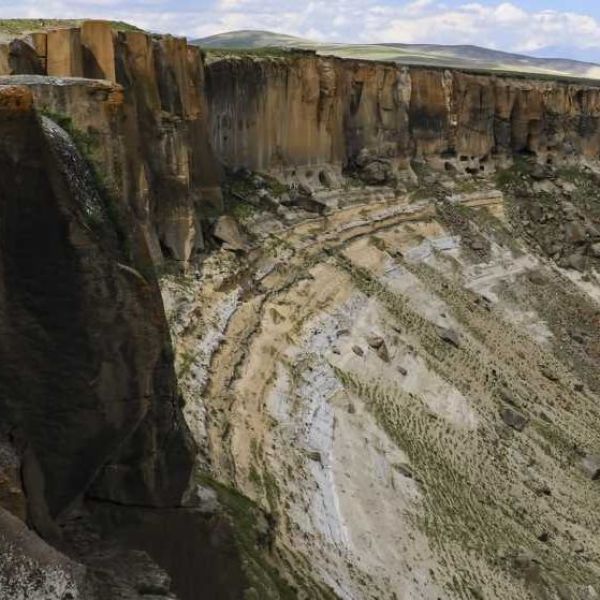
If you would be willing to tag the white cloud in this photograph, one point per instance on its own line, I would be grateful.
(506, 25)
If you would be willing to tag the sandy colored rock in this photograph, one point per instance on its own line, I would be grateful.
(64, 56)
(98, 42)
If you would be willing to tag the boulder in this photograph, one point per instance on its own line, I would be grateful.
(575, 232)
(228, 231)
(576, 261)
(375, 341)
(595, 250)
(377, 172)
(591, 466)
(514, 419)
(449, 336)
(383, 353)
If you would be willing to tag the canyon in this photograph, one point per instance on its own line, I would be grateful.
(283, 325)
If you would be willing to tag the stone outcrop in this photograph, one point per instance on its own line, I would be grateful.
(144, 124)
(88, 395)
(110, 152)
(290, 115)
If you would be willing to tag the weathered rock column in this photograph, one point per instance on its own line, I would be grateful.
(98, 42)
(64, 56)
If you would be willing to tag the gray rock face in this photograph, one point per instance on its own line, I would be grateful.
(450, 336)
(514, 419)
(227, 230)
(591, 466)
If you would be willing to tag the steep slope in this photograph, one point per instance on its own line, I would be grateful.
(465, 57)
(409, 386)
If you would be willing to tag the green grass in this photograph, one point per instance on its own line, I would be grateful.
(256, 53)
(259, 562)
(472, 514)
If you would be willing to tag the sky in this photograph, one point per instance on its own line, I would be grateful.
(549, 28)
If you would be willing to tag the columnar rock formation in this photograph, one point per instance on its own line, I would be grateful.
(145, 125)
(281, 114)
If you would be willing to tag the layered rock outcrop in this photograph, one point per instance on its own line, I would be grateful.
(110, 158)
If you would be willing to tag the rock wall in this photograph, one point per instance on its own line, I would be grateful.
(88, 396)
(85, 349)
(163, 121)
(144, 126)
(289, 114)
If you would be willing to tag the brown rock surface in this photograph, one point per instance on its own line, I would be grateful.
(97, 38)
(105, 364)
(64, 55)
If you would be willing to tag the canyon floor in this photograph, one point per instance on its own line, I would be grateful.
(404, 384)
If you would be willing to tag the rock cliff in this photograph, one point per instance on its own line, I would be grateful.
(290, 115)
(373, 370)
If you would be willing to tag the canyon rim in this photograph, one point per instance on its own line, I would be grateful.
(278, 324)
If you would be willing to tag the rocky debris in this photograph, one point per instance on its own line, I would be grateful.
(372, 169)
(383, 353)
(549, 374)
(450, 336)
(475, 244)
(375, 341)
(576, 261)
(539, 173)
(575, 232)
(228, 231)
(595, 250)
(591, 466)
(514, 419)
(544, 490)
(315, 456)
(358, 351)
(537, 277)
(402, 371)
(507, 396)
(378, 344)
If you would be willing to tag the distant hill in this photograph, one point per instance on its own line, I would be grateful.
(473, 57)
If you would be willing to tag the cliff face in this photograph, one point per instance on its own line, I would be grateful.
(288, 115)
(88, 394)
(162, 121)
(145, 125)
(376, 380)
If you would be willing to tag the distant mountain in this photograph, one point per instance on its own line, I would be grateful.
(473, 57)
